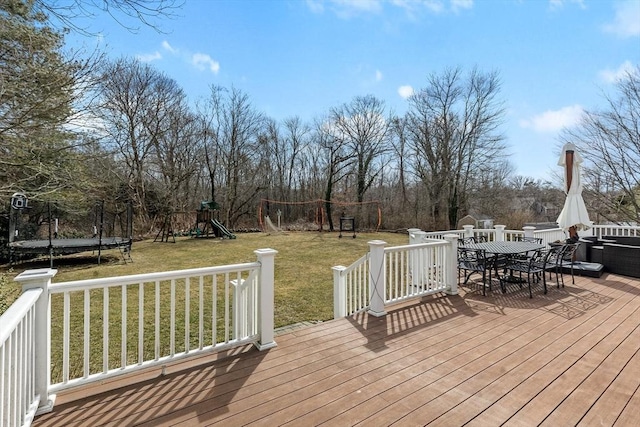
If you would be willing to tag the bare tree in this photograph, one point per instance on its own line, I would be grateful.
(127, 13)
(363, 126)
(337, 159)
(399, 144)
(135, 106)
(175, 161)
(610, 143)
(453, 125)
(234, 128)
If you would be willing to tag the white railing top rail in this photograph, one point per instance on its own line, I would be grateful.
(11, 318)
(440, 234)
(148, 277)
(355, 264)
(415, 247)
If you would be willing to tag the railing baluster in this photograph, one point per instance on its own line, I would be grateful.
(238, 308)
(187, 313)
(201, 312)
(172, 344)
(3, 380)
(156, 344)
(86, 337)
(13, 408)
(31, 350)
(140, 323)
(19, 361)
(226, 307)
(65, 338)
(214, 309)
(123, 328)
(105, 329)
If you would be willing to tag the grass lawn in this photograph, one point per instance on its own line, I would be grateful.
(303, 277)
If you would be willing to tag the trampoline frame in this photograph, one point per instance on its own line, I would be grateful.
(54, 246)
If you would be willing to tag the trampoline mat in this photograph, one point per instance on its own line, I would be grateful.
(68, 246)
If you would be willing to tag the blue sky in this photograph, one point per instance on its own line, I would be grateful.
(295, 57)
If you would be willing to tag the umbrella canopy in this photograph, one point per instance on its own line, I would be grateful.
(574, 215)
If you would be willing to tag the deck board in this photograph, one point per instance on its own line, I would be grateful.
(570, 357)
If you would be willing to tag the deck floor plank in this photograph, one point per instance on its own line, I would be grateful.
(569, 357)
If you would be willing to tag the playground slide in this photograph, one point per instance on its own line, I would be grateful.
(217, 225)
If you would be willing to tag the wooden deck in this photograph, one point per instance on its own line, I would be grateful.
(570, 357)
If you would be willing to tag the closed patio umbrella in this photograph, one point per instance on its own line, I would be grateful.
(574, 215)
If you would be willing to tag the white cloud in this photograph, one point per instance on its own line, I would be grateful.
(457, 5)
(203, 61)
(553, 121)
(558, 4)
(405, 91)
(612, 76)
(435, 6)
(626, 23)
(378, 75)
(349, 8)
(315, 6)
(167, 46)
(148, 57)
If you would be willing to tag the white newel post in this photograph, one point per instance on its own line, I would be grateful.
(377, 278)
(500, 232)
(266, 257)
(339, 292)
(412, 235)
(451, 274)
(33, 279)
(528, 231)
(468, 230)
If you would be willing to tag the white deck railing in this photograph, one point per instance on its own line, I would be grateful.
(389, 275)
(415, 270)
(500, 233)
(19, 400)
(615, 230)
(351, 287)
(427, 265)
(61, 335)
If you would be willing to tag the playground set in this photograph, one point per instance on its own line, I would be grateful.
(206, 225)
(53, 245)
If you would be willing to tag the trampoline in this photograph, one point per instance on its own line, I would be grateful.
(68, 246)
(54, 246)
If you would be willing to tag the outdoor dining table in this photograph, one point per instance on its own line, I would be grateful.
(505, 248)
(495, 250)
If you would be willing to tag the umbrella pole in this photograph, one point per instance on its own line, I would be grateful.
(573, 231)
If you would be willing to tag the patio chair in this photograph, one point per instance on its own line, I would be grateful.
(519, 238)
(568, 255)
(534, 266)
(474, 261)
(553, 263)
